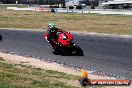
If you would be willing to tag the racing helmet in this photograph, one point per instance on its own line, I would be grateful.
(51, 25)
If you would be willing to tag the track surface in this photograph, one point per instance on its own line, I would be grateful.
(109, 56)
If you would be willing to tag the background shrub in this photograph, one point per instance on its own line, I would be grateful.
(78, 7)
(53, 6)
(71, 7)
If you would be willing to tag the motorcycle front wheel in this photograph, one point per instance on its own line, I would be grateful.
(77, 51)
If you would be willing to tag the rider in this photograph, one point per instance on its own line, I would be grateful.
(52, 33)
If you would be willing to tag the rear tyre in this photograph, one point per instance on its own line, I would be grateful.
(56, 52)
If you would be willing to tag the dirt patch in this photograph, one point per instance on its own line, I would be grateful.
(15, 59)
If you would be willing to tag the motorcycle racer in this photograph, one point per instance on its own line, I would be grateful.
(52, 34)
(62, 41)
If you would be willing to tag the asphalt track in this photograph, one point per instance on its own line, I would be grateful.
(109, 55)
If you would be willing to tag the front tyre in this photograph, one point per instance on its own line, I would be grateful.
(77, 51)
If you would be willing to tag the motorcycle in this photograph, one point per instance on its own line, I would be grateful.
(66, 44)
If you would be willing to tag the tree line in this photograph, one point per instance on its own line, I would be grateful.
(48, 2)
(33, 1)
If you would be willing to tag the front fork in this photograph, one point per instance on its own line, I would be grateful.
(72, 44)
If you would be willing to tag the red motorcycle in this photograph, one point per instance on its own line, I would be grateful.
(67, 45)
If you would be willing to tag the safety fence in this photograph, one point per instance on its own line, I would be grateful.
(97, 11)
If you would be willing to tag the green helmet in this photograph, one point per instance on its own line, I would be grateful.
(51, 25)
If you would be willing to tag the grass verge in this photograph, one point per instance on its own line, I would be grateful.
(14, 73)
(4, 6)
(26, 76)
(20, 76)
(113, 24)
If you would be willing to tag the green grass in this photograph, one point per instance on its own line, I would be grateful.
(13, 76)
(23, 76)
(113, 24)
(4, 6)
(1, 59)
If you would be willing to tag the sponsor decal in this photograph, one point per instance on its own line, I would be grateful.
(42, 9)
